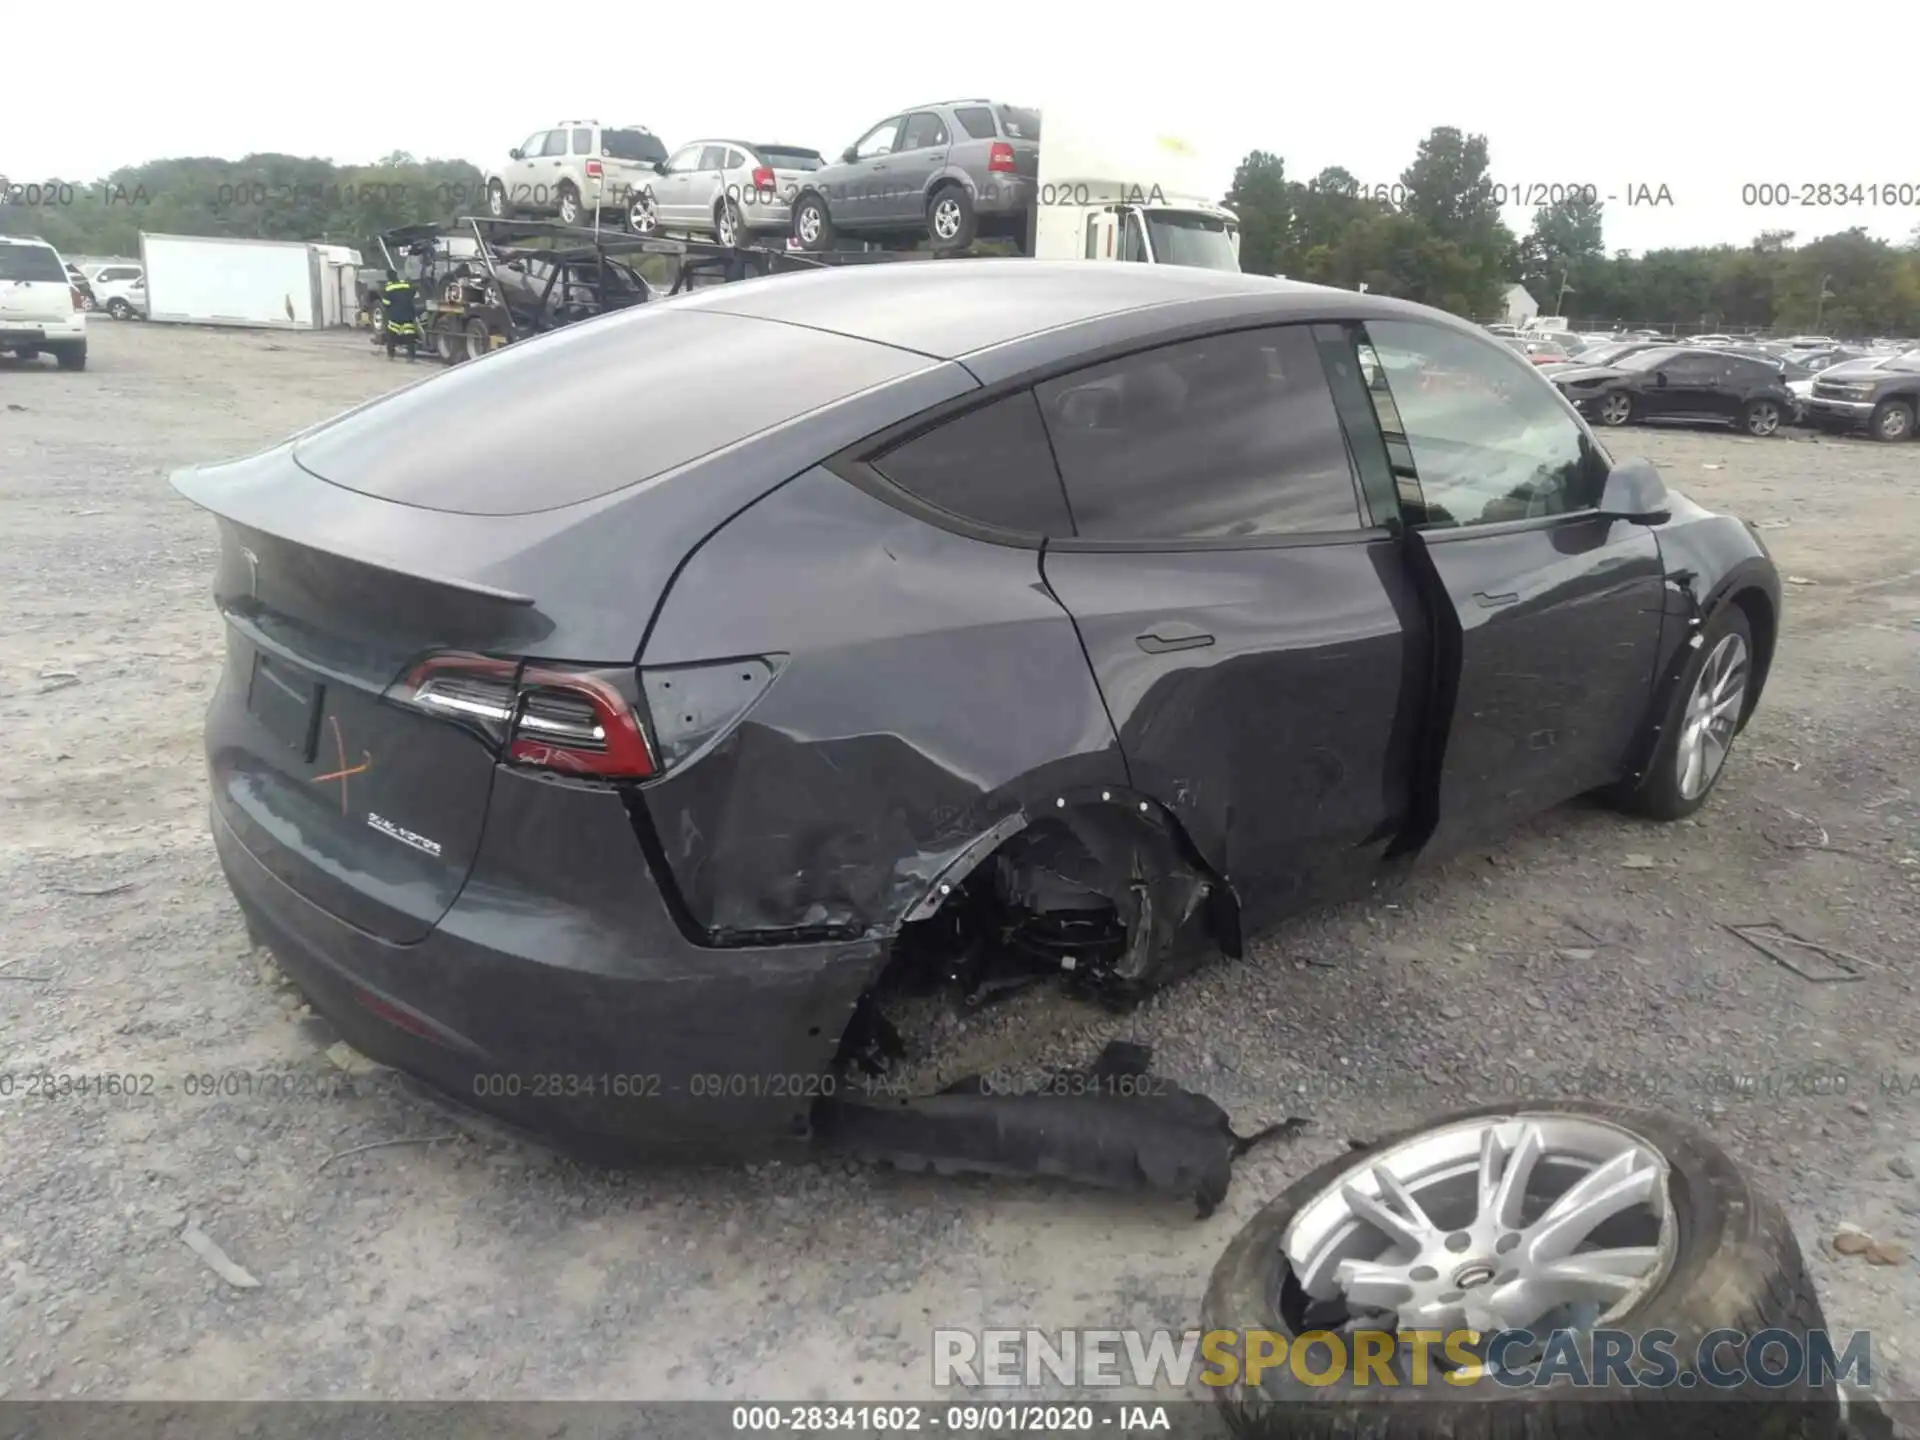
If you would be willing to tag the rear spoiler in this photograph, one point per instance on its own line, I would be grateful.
(193, 483)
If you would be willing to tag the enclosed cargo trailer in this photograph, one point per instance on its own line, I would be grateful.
(215, 280)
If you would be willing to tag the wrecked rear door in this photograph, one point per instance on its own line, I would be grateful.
(1257, 642)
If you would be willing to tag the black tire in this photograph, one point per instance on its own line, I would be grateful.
(497, 201)
(1658, 796)
(1619, 414)
(951, 223)
(1892, 421)
(1737, 1267)
(1762, 419)
(70, 357)
(479, 339)
(727, 218)
(811, 210)
(566, 196)
(119, 309)
(27, 352)
(449, 341)
(643, 216)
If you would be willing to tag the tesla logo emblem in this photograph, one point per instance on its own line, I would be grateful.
(253, 571)
(345, 772)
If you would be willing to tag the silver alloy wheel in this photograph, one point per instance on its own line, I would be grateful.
(1893, 423)
(809, 226)
(496, 202)
(642, 218)
(946, 217)
(1713, 710)
(1764, 418)
(727, 227)
(1617, 408)
(569, 206)
(1489, 1224)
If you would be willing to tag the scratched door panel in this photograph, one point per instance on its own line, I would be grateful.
(1555, 633)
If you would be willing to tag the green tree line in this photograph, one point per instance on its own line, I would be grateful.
(1437, 237)
(260, 197)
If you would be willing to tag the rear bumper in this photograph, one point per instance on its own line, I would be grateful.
(1004, 195)
(43, 332)
(583, 1014)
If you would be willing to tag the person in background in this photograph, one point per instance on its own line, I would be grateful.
(399, 303)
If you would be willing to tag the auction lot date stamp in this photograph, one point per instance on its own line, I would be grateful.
(204, 1086)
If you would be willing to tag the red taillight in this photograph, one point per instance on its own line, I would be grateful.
(594, 170)
(575, 720)
(1000, 158)
(763, 177)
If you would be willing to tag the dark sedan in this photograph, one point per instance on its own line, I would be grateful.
(1674, 383)
(611, 724)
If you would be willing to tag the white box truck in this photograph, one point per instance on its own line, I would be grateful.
(1104, 193)
(215, 280)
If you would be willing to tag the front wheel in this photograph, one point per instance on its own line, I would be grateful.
(643, 216)
(1705, 714)
(812, 226)
(1616, 409)
(1760, 418)
(119, 309)
(1892, 420)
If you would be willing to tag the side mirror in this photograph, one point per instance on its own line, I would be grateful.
(849, 155)
(659, 167)
(1634, 491)
(514, 154)
(1659, 378)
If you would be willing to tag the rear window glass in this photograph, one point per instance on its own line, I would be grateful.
(641, 145)
(1019, 122)
(992, 466)
(31, 262)
(781, 157)
(591, 409)
(977, 121)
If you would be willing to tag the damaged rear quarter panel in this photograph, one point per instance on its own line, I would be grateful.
(933, 687)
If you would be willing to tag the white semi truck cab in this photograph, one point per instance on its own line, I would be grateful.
(1104, 194)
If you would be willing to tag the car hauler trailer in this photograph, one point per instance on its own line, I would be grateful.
(216, 280)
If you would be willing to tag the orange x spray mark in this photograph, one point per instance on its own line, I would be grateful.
(345, 772)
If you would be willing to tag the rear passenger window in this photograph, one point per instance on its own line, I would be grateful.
(977, 121)
(924, 131)
(991, 466)
(583, 142)
(1228, 436)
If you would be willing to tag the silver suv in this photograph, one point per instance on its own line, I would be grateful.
(730, 189)
(568, 170)
(948, 171)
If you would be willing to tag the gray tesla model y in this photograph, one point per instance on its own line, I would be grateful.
(608, 721)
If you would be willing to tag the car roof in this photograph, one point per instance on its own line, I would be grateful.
(949, 308)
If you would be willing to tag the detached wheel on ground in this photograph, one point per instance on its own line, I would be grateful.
(812, 225)
(1568, 1217)
(951, 222)
(1703, 717)
(1892, 420)
(1761, 418)
(1615, 409)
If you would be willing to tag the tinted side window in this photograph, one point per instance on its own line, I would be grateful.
(1225, 436)
(736, 160)
(977, 121)
(1475, 437)
(924, 131)
(991, 466)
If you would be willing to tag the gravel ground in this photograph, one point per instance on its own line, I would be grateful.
(483, 1266)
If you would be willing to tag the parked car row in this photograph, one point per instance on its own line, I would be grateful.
(947, 171)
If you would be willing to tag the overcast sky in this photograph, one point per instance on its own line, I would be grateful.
(1694, 98)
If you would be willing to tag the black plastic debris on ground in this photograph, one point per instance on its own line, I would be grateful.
(1114, 1125)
